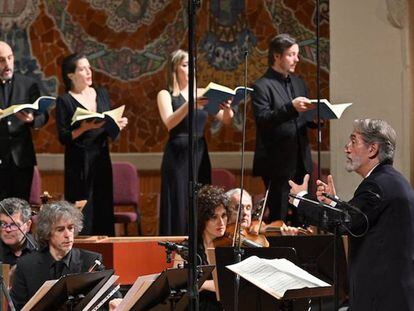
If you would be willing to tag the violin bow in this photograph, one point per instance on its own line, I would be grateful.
(263, 207)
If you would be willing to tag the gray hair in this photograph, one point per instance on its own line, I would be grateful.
(53, 212)
(14, 206)
(237, 191)
(278, 45)
(379, 132)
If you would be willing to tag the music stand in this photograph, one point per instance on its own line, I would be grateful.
(72, 285)
(250, 296)
(169, 290)
(315, 254)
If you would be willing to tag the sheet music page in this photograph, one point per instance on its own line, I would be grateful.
(275, 276)
(139, 287)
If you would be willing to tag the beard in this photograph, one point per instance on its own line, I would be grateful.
(352, 165)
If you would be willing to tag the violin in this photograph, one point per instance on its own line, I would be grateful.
(277, 227)
(247, 239)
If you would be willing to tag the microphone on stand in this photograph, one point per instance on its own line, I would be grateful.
(180, 249)
(340, 202)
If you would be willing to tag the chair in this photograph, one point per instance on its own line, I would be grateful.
(223, 178)
(36, 188)
(125, 191)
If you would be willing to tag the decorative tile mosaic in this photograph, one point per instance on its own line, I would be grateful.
(128, 43)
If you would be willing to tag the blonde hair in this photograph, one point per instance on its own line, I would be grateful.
(175, 60)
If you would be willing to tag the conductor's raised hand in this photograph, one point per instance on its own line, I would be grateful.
(328, 187)
(302, 104)
(295, 188)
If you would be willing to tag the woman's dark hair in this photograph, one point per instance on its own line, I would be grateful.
(209, 198)
(69, 66)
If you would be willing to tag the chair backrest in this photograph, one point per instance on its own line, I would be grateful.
(125, 183)
(36, 189)
(223, 178)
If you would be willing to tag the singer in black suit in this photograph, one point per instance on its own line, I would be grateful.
(58, 224)
(381, 252)
(17, 154)
(282, 147)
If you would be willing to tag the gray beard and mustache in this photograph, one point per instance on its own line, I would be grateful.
(352, 165)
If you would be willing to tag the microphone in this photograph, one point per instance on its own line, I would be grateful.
(321, 204)
(180, 249)
(340, 202)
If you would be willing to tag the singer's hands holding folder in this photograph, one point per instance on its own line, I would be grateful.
(302, 104)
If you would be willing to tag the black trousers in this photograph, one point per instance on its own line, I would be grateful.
(16, 182)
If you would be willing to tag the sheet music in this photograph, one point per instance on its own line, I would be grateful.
(275, 276)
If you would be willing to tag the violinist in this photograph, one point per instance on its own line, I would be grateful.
(212, 220)
(252, 227)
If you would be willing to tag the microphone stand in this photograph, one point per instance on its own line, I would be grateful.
(339, 221)
(27, 237)
(318, 87)
(192, 204)
(238, 251)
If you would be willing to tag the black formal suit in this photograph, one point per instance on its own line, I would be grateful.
(17, 154)
(282, 147)
(34, 269)
(381, 262)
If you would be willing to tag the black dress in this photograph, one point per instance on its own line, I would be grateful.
(174, 172)
(88, 170)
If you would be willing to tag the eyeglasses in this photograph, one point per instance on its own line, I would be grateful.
(12, 227)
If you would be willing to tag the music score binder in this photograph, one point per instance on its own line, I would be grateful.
(80, 285)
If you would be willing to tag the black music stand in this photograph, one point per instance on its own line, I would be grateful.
(71, 289)
(315, 254)
(169, 290)
(250, 296)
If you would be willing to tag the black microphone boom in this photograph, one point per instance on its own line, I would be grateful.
(340, 202)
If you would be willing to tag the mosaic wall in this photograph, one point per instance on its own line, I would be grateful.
(128, 42)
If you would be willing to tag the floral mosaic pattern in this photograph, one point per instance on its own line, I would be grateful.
(128, 44)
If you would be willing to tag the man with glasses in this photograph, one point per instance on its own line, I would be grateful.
(14, 243)
(57, 226)
(381, 226)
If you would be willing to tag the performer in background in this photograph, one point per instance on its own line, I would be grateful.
(381, 266)
(213, 213)
(252, 226)
(173, 108)
(88, 170)
(17, 154)
(13, 242)
(58, 224)
(282, 148)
